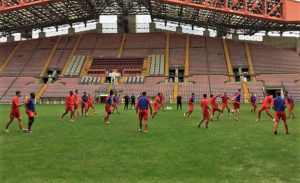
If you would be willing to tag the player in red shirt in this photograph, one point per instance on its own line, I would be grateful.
(162, 102)
(252, 101)
(225, 99)
(142, 109)
(69, 106)
(214, 106)
(156, 105)
(268, 100)
(291, 104)
(76, 103)
(115, 103)
(15, 112)
(91, 104)
(108, 103)
(191, 106)
(205, 107)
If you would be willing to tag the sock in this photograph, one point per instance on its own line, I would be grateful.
(286, 129)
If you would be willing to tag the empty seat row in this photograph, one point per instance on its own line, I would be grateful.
(134, 80)
(90, 80)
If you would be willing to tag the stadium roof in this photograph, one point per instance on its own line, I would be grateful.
(227, 16)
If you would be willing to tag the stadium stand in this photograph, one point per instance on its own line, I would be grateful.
(152, 85)
(5, 50)
(5, 84)
(69, 84)
(215, 56)
(25, 84)
(237, 53)
(20, 58)
(207, 66)
(268, 60)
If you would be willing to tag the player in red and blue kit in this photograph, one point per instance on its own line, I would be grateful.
(84, 104)
(15, 112)
(30, 110)
(279, 105)
(252, 101)
(291, 103)
(115, 103)
(191, 106)
(142, 109)
(108, 103)
(236, 103)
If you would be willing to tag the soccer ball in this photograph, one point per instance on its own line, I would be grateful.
(232, 111)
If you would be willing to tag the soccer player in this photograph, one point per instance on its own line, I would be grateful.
(91, 104)
(76, 103)
(108, 103)
(179, 102)
(214, 106)
(69, 106)
(191, 106)
(115, 103)
(252, 101)
(156, 105)
(142, 109)
(279, 105)
(84, 104)
(236, 103)
(268, 100)
(126, 99)
(291, 103)
(132, 101)
(30, 110)
(15, 112)
(162, 101)
(205, 112)
(225, 99)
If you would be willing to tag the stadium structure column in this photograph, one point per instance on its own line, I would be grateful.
(266, 39)
(42, 34)
(98, 27)
(71, 31)
(298, 46)
(206, 33)
(152, 27)
(235, 37)
(127, 24)
(26, 34)
(10, 38)
(179, 30)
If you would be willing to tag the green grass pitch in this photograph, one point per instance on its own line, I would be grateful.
(174, 150)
